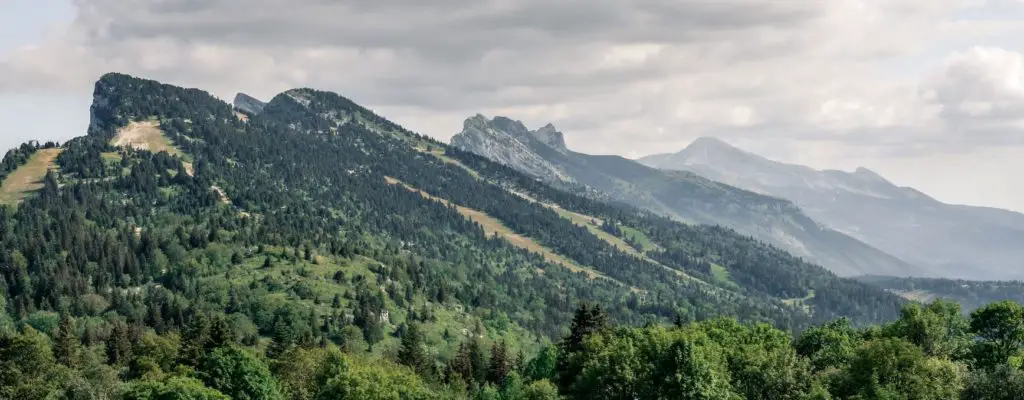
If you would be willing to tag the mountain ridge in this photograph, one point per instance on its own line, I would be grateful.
(686, 197)
(948, 240)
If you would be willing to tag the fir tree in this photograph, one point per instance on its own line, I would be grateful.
(500, 364)
(411, 352)
(477, 361)
(283, 340)
(119, 344)
(66, 342)
(586, 321)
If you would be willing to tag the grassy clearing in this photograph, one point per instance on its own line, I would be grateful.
(493, 226)
(593, 225)
(721, 275)
(640, 238)
(438, 152)
(112, 157)
(921, 296)
(146, 135)
(28, 178)
(801, 302)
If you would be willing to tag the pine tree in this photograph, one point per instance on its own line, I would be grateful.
(221, 334)
(477, 361)
(194, 339)
(284, 338)
(586, 321)
(66, 342)
(500, 365)
(411, 352)
(461, 365)
(119, 344)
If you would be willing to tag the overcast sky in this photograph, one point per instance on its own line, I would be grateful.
(929, 93)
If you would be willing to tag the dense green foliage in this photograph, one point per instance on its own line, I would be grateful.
(761, 269)
(930, 352)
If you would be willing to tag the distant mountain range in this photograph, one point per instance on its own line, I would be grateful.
(945, 240)
(681, 195)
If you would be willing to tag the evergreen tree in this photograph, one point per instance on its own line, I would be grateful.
(119, 344)
(461, 365)
(500, 364)
(587, 321)
(477, 361)
(411, 352)
(66, 342)
(283, 339)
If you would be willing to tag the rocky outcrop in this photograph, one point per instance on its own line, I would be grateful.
(509, 142)
(248, 104)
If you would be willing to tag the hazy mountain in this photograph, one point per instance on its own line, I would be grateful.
(680, 195)
(947, 240)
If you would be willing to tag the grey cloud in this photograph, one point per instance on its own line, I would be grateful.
(546, 59)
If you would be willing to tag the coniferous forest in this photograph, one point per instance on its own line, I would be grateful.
(317, 250)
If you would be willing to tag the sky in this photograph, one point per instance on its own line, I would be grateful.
(929, 93)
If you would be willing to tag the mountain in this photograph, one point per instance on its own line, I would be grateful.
(248, 104)
(172, 196)
(946, 240)
(681, 195)
(316, 250)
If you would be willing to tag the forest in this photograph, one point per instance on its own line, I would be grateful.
(930, 352)
(270, 257)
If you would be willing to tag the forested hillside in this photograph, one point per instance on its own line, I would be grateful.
(680, 195)
(290, 253)
(970, 294)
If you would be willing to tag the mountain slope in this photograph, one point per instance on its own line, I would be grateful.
(946, 240)
(680, 195)
(293, 226)
(970, 294)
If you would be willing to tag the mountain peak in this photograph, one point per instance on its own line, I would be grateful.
(476, 121)
(248, 104)
(550, 136)
(711, 143)
(867, 173)
(516, 128)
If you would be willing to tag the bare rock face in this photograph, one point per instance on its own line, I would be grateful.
(248, 104)
(509, 142)
(551, 137)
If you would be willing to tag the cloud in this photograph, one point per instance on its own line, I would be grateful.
(981, 95)
(846, 78)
